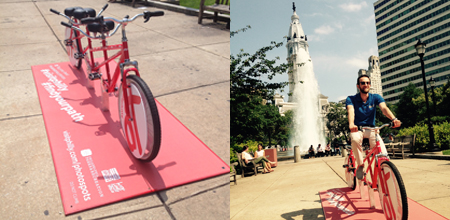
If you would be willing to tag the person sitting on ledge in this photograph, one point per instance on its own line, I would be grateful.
(311, 152)
(319, 151)
(247, 158)
(328, 150)
(261, 153)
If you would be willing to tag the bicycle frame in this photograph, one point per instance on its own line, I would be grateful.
(376, 157)
(370, 158)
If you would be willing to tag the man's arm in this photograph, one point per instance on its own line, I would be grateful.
(387, 112)
(351, 118)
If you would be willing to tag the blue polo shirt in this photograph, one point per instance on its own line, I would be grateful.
(364, 112)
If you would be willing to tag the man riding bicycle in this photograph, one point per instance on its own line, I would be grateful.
(361, 109)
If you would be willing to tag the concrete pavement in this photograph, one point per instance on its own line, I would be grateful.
(291, 191)
(185, 64)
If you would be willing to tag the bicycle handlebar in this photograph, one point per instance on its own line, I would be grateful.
(54, 11)
(147, 15)
(390, 124)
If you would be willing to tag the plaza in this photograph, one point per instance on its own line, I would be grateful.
(292, 190)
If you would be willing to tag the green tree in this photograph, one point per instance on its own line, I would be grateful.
(250, 118)
(337, 122)
(442, 103)
(381, 119)
(407, 111)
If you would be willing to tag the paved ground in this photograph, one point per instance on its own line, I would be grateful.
(187, 68)
(291, 191)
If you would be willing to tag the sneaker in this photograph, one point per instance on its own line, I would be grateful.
(360, 172)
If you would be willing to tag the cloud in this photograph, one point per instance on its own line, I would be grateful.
(350, 7)
(370, 19)
(360, 63)
(324, 30)
(314, 14)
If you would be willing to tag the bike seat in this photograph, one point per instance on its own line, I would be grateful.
(79, 13)
(69, 11)
(101, 26)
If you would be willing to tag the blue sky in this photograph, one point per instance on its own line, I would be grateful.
(341, 37)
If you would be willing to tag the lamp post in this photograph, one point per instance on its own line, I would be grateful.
(432, 84)
(420, 48)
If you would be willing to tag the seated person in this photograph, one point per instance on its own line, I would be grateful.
(311, 152)
(328, 150)
(261, 153)
(319, 151)
(246, 157)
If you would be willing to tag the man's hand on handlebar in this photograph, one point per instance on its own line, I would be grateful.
(397, 123)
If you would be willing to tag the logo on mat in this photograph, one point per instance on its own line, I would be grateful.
(86, 152)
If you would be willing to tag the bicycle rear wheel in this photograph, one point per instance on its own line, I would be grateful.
(73, 47)
(141, 128)
(392, 192)
(350, 177)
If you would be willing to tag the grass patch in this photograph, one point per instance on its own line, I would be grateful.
(196, 3)
(446, 152)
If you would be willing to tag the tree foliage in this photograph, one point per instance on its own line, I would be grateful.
(406, 109)
(441, 133)
(411, 108)
(252, 116)
(337, 122)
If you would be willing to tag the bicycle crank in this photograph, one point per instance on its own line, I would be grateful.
(78, 55)
(95, 76)
(68, 42)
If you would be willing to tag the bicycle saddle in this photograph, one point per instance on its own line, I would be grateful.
(79, 12)
(97, 24)
(104, 26)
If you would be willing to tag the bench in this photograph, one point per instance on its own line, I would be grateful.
(221, 6)
(401, 144)
(233, 172)
(249, 168)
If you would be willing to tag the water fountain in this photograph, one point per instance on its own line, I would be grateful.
(308, 122)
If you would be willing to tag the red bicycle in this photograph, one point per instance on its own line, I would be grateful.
(138, 112)
(383, 177)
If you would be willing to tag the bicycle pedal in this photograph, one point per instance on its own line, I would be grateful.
(68, 42)
(78, 55)
(95, 76)
(345, 165)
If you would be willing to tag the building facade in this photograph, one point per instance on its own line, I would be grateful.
(301, 70)
(374, 74)
(399, 25)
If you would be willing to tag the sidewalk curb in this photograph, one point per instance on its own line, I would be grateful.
(182, 9)
(430, 156)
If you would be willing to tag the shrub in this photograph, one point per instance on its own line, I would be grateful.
(441, 134)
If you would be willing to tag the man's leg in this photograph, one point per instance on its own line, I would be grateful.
(357, 138)
(373, 142)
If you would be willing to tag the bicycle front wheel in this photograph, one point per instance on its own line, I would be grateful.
(392, 192)
(350, 177)
(141, 127)
(73, 47)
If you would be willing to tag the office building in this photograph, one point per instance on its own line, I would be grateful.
(399, 24)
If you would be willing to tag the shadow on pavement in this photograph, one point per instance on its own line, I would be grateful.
(306, 213)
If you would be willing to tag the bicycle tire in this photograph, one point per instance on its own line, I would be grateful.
(350, 177)
(396, 192)
(145, 119)
(74, 48)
